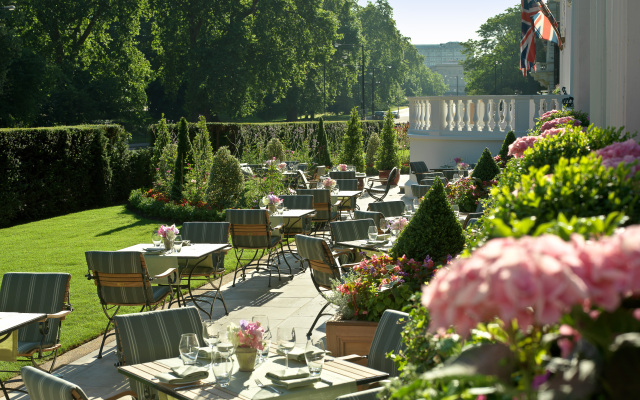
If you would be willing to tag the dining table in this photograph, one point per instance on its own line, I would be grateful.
(10, 323)
(338, 377)
(291, 220)
(383, 246)
(186, 261)
(343, 198)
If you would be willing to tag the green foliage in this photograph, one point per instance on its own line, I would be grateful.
(53, 171)
(183, 158)
(322, 156)
(372, 150)
(388, 151)
(198, 173)
(434, 230)
(152, 206)
(581, 116)
(162, 137)
(352, 152)
(226, 181)
(274, 150)
(486, 168)
(504, 150)
(467, 193)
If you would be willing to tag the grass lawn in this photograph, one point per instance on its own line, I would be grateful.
(58, 245)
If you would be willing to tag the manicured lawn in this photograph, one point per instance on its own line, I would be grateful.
(58, 245)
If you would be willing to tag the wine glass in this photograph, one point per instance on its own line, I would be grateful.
(188, 348)
(155, 238)
(286, 342)
(373, 233)
(210, 334)
(263, 320)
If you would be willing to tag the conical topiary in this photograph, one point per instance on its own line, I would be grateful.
(274, 149)
(352, 152)
(433, 231)
(322, 156)
(372, 150)
(504, 150)
(486, 169)
(226, 182)
(388, 151)
(183, 158)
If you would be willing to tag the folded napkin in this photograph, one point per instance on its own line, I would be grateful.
(383, 237)
(184, 374)
(288, 374)
(296, 354)
(204, 353)
(294, 383)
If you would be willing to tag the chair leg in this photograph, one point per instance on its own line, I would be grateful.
(106, 330)
(316, 320)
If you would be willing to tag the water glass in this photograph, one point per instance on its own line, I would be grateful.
(222, 367)
(210, 333)
(155, 238)
(286, 342)
(314, 353)
(280, 207)
(416, 205)
(373, 233)
(189, 348)
(177, 243)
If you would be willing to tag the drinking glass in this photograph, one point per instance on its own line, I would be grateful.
(177, 243)
(225, 346)
(188, 348)
(314, 355)
(286, 342)
(222, 367)
(155, 238)
(416, 205)
(210, 334)
(280, 207)
(373, 233)
(456, 209)
(263, 320)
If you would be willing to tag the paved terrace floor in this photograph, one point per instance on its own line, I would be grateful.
(289, 302)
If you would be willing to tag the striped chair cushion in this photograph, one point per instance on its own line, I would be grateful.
(43, 386)
(374, 215)
(37, 293)
(343, 231)
(322, 264)
(388, 208)
(321, 203)
(427, 181)
(206, 232)
(154, 335)
(418, 167)
(250, 229)
(419, 190)
(131, 286)
(342, 174)
(298, 202)
(387, 338)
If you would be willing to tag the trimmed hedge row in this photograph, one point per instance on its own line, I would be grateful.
(59, 170)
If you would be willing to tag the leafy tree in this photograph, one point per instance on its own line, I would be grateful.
(183, 158)
(322, 156)
(499, 43)
(352, 152)
(388, 152)
(198, 172)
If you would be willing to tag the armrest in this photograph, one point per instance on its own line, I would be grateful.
(59, 315)
(278, 227)
(354, 358)
(349, 265)
(341, 251)
(165, 274)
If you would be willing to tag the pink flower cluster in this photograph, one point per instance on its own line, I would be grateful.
(622, 152)
(329, 183)
(398, 224)
(548, 114)
(342, 167)
(250, 335)
(534, 280)
(518, 147)
(552, 132)
(282, 166)
(163, 230)
(559, 122)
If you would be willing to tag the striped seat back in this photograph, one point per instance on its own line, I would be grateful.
(388, 208)
(321, 202)
(343, 231)
(418, 167)
(44, 386)
(374, 215)
(322, 265)
(386, 339)
(34, 292)
(250, 229)
(298, 202)
(342, 174)
(419, 190)
(208, 232)
(121, 277)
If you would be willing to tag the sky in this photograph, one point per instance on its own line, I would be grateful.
(442, 21)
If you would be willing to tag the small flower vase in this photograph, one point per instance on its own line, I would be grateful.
(168, 244)
(272, 208)
(246, 358)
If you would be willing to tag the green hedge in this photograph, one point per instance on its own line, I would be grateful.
(59, 170)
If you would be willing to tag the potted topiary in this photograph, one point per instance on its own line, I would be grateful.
(434, 230)
(486, 169)
(503, 156)
(352, 152)
(388, 157)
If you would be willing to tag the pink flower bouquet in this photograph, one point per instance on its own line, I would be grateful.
(168, 232)
(271, 199)
(462, 166)
(342, 167)
(282, 166)
(329, 183)
(248, 334)
(398, 224)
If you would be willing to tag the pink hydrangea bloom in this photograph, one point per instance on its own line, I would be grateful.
(559, 122)
(622, 152)
(552, 132)
(548, 114)
(518, 147)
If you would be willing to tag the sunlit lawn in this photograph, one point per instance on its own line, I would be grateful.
(58, 245)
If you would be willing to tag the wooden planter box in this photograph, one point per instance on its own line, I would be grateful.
(349, 337)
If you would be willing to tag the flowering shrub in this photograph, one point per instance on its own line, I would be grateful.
(552, 132)
(624, 152)
(248, 334)
(554, 123)
(380, 283)
(581, 117)
(517, 148)
(467, 192)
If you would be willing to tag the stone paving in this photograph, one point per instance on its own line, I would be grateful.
(290, 302)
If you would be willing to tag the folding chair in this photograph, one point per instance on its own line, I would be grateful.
(420, 190)
(377, 217)
(122, 279)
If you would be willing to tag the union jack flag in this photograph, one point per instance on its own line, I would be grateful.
(536, 20)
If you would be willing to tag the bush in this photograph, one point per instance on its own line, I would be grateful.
(322, 156)
(155, 205)
(352, 152)
(183, 157)
(197, 177)
(372, 150)
(504, 150)
(486, 168)
(388, 151)
(226, 181)
(578, 115)
(467, 193)
(274, 149)
(434, 230)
